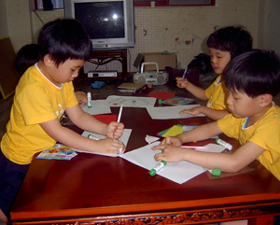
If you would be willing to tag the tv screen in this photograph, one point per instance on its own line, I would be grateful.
(109, 23)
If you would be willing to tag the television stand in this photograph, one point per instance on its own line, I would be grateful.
(104, 57)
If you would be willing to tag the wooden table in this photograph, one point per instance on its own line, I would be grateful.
(92, 189)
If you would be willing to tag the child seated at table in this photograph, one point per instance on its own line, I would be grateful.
(252, 80)
(44, 92)
(27, 56)
(224, 45)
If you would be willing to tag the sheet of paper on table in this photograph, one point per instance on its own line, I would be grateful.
(124, 138)
(178, 172)
(171, 112)
(130, 101)
(97, 107)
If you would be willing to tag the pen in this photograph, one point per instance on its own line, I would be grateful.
(119, 120)
(195, 147)
(120, 114)
(185, 72)
(157, 168)
(89, 100)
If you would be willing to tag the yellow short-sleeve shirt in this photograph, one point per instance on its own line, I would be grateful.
(36, 100)
(216, 94)
(264, 133)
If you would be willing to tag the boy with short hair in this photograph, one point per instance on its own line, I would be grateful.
(44, 92)
(27, 56)
(224, 45)
(252, 80)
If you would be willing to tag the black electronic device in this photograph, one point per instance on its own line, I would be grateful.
(109, 23)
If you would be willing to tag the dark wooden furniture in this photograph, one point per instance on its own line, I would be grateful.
(92, 189)
(103, 57)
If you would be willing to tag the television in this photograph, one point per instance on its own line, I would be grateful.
(109, 23)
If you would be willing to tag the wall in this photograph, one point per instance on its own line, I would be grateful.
(16, 23)
(3, 20)
(182, 30)
(269, 31)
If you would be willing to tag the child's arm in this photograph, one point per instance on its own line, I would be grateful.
(202, 132)
(196, 91)
(211, 113)
(86, 122)
(72, 139)
(89, 123)
(226, 162)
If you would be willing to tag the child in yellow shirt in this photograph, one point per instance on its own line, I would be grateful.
(252, 80)
(44, 92)
(27, 56)
(224, 45)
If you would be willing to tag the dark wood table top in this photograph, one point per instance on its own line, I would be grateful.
(98, 185)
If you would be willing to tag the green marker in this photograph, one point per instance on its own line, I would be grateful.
(216, 172)
(157, 168)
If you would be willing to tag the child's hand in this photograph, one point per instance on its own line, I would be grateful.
(171, 141)
(114, 130)
(193, 111)
(110, 146)
(169, 153)
(81, 97)
(182, 82)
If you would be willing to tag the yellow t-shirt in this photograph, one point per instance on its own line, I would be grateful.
(216, 95)
(36, 100)
(264, 133)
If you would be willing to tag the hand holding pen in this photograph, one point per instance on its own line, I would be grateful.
(185, 72)
(182, 82)
(115, 129)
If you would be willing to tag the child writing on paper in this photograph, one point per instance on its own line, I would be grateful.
(27, 56)
(252, 80)
(224, 45)
(44, 92)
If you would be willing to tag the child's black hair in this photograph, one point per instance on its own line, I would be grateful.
(27, 56)
(64, 39)
(235, 40)
(255, 73)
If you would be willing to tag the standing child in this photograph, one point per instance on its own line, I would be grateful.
(252, 80)
(27, 56)
(224, 45)
(44, 92)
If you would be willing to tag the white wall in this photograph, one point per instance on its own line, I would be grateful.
(182, 30)
(269, 32)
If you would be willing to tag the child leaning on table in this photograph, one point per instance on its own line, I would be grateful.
(27, 56)
(252, 80)
(44, 92)
(224, 45)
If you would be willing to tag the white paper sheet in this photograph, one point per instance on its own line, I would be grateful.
(171, 112)
(130, 101)
(178, 172)
(97, 107)
(124, 138)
